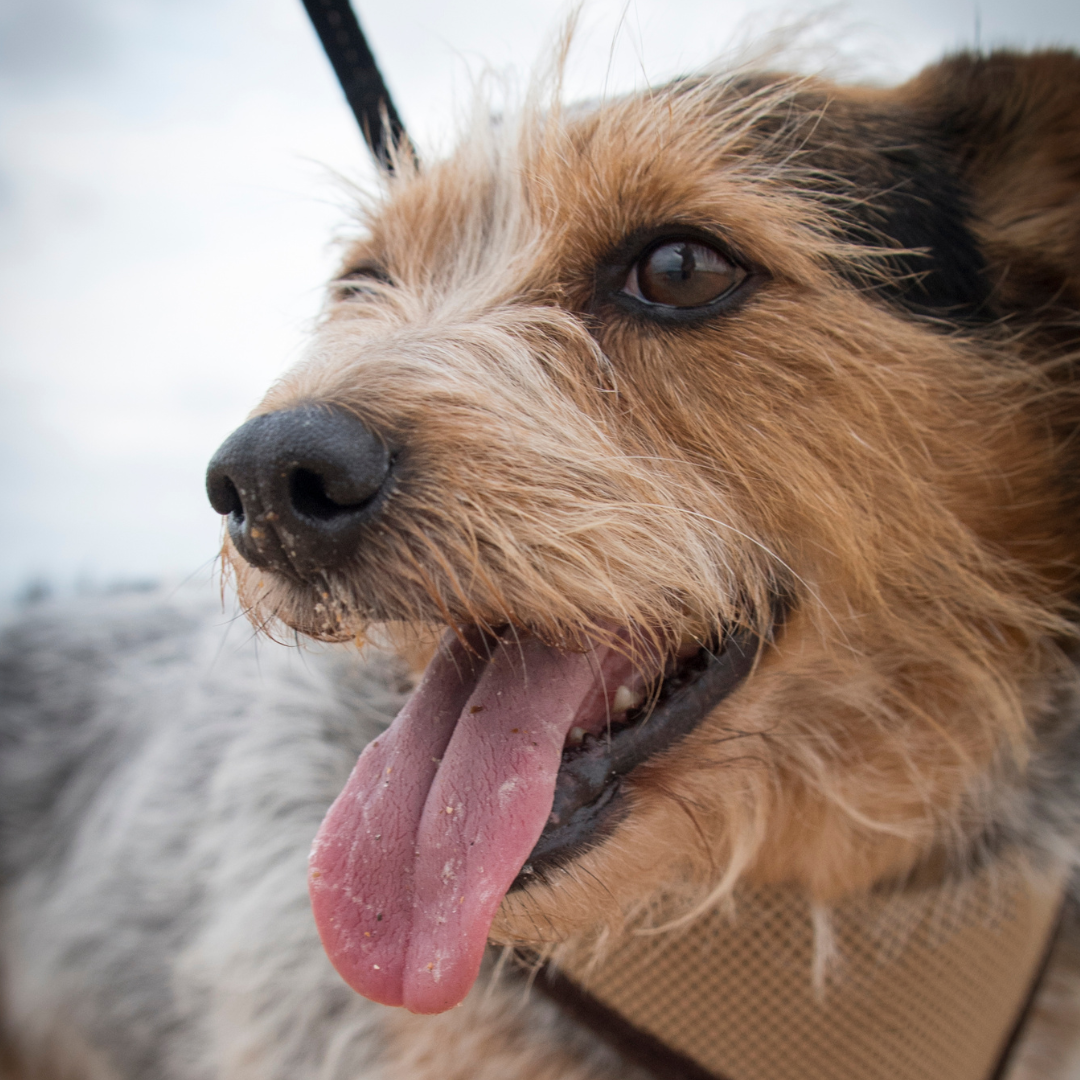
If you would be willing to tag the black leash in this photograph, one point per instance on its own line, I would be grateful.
(356, 70)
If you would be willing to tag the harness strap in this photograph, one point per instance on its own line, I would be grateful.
(931, 984)
(1019, 1029)
(643, 1049)
(359, 76)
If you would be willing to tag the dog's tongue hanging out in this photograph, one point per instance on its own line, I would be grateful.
(442, 811)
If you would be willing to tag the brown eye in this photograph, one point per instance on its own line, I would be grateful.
(682, 274)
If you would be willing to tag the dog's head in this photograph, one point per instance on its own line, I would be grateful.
(725, 431)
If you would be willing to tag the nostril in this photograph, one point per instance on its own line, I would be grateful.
(299, 487)
(224, 497)
(309, 496)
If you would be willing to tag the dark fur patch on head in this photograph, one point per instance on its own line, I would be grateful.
(894, 184)
(1009, 121)
(924, 212)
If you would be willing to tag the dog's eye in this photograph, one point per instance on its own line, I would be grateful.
(358, 283)
(682, 274)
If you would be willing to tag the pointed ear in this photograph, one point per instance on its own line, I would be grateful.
(1013, 123)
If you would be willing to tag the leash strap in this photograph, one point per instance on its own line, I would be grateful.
(339, 31)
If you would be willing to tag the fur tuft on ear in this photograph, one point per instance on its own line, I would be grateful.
(1014, 123)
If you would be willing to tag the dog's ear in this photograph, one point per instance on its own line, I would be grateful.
(1012, 122)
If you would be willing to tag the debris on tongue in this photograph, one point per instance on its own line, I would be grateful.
(443, 809)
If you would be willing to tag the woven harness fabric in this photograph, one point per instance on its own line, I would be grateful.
(921, 985)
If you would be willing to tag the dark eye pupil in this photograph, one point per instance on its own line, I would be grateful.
(686, 274)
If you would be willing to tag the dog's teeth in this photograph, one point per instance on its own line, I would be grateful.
(576, 736)
(626, 699)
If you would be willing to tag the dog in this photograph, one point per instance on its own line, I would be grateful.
(697, 473)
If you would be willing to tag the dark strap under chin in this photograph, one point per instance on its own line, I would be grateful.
(635, 1045)
(356, 70)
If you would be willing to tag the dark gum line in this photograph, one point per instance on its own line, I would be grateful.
(686, 672)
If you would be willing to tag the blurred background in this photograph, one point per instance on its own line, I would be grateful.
(170, 189)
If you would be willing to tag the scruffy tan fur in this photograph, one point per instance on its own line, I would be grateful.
(904, 480)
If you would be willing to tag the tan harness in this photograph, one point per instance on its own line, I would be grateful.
(927, 984)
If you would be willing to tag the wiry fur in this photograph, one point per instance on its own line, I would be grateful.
(869, 459)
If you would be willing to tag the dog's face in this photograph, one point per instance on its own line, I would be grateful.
(727, 429)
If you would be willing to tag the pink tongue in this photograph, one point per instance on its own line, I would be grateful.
(441, 812)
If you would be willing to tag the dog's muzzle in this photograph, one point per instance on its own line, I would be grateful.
(299, 487)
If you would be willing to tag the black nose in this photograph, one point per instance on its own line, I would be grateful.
(299, 487)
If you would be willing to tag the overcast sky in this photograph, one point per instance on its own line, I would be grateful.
(167, 205)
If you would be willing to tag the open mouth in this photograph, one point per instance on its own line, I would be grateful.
(586, 804)
(507, 761)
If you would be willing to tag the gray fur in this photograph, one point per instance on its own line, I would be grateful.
(1037, 810)
(163, 774)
